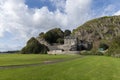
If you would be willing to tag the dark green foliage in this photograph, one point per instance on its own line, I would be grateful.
(33, 46)
(67, 33)
(53, 35)
(115, 46)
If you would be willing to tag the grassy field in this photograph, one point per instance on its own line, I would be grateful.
(86, 68)
(19, 59)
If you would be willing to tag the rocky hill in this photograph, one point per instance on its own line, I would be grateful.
(100, 29)
(102, 33)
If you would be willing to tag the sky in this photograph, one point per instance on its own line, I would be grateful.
(22, 19)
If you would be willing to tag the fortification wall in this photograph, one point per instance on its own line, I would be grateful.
(63, 52)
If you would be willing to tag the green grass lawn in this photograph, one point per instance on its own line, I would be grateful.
(86, 68)
(19, 59)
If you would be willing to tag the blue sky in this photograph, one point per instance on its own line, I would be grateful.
(40, 4)
(97, 5)
(22, 19)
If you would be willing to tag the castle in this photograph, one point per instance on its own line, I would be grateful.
(71, 46)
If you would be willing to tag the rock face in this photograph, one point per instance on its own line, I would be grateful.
(98, 29)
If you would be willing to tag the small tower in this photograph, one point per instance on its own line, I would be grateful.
(70, 43)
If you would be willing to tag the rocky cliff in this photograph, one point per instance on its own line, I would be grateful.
(98, 29)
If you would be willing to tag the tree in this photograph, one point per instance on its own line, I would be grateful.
(33, 46)
(53, 35)
(67, 33)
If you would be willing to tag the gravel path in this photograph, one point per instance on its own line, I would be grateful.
(39, 64)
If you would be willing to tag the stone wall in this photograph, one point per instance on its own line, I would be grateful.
(63, 52)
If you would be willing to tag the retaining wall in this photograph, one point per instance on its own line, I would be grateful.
(64, 52)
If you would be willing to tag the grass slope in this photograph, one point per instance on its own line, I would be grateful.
(87, 68)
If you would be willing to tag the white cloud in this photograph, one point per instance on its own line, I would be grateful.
(117, 13)
(77, 11)
(6, 47)
(59, 4)
(23, 22)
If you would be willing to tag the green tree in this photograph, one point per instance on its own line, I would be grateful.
(67, 33)
(53, 35)
(33, 46)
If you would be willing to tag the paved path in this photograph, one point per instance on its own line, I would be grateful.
(40, 64)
